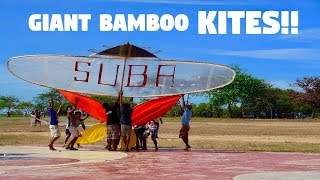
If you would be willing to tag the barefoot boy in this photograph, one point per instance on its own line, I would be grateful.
(54, 128)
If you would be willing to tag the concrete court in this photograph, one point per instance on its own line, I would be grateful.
(94, 162)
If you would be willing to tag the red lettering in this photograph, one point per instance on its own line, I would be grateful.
(100, 75)
(144, 74)
(165, 75)
(77, 69)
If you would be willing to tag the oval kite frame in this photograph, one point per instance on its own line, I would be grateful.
(128, 59)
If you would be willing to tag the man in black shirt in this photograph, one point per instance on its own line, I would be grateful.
(113, 125)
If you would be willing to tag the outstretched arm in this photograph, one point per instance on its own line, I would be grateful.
(120, 94)
(71, 111)
(131, 102)
(182, 104)
(59, 110)
(83, 125)
(85, 117)
(51, 101)
(118, 98)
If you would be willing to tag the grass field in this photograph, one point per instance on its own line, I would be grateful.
(218, 134)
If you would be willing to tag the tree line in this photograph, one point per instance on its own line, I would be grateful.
(246, 97)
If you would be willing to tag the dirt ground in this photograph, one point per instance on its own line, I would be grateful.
(217, 134)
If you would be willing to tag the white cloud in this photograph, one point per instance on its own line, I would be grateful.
(273, 54)
(306, 35)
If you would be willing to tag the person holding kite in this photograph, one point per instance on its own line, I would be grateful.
(70, 111)
(126, 120)
(54, 128)
(113, 125)
(80, 121)
(141, 141)
(73, 128)
(186, 117)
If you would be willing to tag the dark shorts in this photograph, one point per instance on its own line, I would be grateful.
(68, 132)
(184, 131)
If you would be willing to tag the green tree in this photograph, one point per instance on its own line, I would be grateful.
(202, 110)
(268, 102)
(8, 102)
(25, 106)
(42, 100)
(245, 91)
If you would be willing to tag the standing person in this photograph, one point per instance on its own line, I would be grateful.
(186, 117)
(70, 111)
(113, 125)
(125, 120)
(37, 117)
(80, 121)
(73, 128)
(54, 128)
(156, 122)
(141, 141)
(8, 113)
(154, 133)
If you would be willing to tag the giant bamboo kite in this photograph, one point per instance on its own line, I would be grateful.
(135, 71)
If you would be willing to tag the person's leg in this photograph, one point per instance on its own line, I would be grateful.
(109, 137)
(137, 140)
(118, 141)
(75, 133)
(155, 143)
(55, 134)
(73, 141)
(184, 136)
(186, 141)
(114, 145)
(114, 141)
(109, 142)
(123, 134)
(124, 139)
(117, 134)
(67, 137)
(114, 137)
(52, 142)
(128, 134)
(144, 143)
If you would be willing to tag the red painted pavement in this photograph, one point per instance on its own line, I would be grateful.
(164, 164)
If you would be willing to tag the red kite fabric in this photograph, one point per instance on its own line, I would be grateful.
(153, 109)
(86, 104)
(142, 113)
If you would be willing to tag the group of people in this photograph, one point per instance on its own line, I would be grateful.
(143, 131)
(119, 124)
(74, 120)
